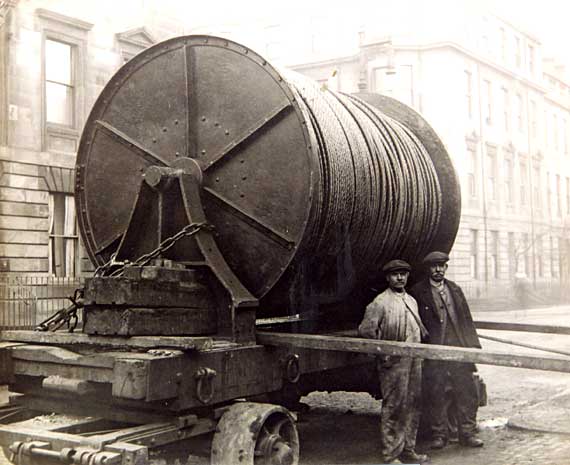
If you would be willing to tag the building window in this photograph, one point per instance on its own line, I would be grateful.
(396, 82)
(511, 253)
(487, 106)
(519, 112)
(563, 253)
(63, 239)
(548, 193)
(63, 68)
(536, 188)
(472, 173)
(508, 177)
(492, 175)
(558, 196)
(533, 113)
(468, 93)
(59, 83)
(506, 108)
(523, 182)
(539, 256)
(473, 253)
(518, 57)
(531, 59)
(553, 270)
(134, 41)
(567, 195)
(525, 255)
(494, 258)
(503, 44)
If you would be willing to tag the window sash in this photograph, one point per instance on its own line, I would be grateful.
(59, 83)
(63, 237)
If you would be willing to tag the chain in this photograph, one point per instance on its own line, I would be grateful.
(166, 244)
(68, 316)
(65, 316)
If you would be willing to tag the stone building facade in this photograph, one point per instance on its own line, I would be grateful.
(55, 58)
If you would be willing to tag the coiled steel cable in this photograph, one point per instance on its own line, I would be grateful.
(378, 190)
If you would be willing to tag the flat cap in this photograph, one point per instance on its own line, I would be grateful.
(395, 265)
(435, 257)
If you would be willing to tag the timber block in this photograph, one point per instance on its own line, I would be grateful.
(104, 290)
(121, 321)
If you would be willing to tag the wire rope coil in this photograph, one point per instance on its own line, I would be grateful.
(379, 194)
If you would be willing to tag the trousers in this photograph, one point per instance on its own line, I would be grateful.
(400, 384)
(446, 382)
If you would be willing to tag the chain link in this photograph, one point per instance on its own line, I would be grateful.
(166, 244)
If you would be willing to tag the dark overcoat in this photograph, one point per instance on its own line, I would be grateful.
(429, 313)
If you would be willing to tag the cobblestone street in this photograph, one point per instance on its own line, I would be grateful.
(341, 428)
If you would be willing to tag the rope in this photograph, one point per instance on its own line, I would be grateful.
(378, 192)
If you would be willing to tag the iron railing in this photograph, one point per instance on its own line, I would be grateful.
(27, 300)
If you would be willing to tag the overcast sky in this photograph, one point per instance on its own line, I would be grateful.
(547, 20)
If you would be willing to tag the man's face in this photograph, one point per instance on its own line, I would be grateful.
(437, 271)
(397, 280)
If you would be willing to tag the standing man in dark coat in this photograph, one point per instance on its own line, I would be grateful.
(446, 315)
(393, 315)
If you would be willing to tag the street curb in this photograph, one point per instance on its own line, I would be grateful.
(525, 427)
(551, 416)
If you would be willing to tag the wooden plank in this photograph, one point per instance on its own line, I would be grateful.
(58, 355)
(136, 342)
(408, 349)
(532, 328)
(88, 373)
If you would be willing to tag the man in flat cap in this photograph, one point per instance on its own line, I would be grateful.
(446, 315)
(393, 315)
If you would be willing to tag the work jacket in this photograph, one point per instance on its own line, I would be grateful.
(461, 320)
(391, 316)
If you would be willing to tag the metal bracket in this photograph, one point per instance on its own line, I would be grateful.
(177, 188)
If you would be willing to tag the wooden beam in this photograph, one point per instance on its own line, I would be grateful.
(522, 327)
(408, 349)
(135, 342)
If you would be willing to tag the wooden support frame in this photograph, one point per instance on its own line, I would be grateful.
(415, 350)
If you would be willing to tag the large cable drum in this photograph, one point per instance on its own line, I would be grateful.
(291, 173)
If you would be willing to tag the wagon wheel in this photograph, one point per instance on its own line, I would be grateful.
(256, 434)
